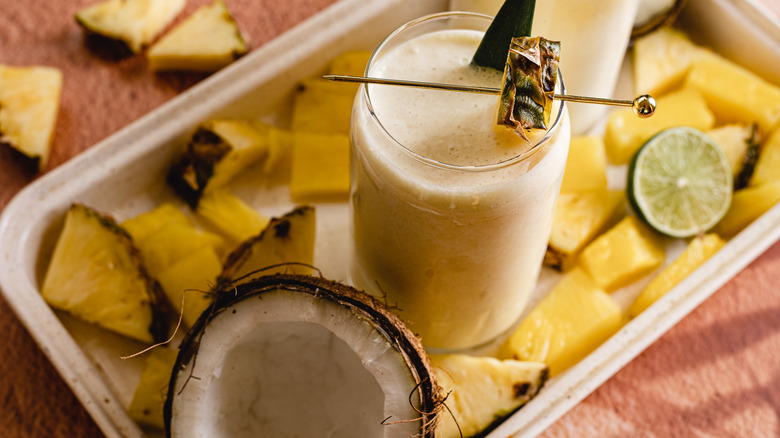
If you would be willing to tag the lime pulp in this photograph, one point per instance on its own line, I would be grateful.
(680, 182)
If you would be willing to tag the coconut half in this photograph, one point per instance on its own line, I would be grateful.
(289, 355)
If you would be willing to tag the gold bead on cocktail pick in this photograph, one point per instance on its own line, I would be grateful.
(643, 106)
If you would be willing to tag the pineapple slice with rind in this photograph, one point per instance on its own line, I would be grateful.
(29, 103)
(768, 163)
(231, 216)
(320, 167)
(577, 220)
(141, 226)
(746, 206)
(286, 245)
(97, 275)
(129, 24)
(206, 41)
(567, 325)
(698, 251)
(740, 144)
(483, 391)
(193, 277)
(146, 406)
(622, 255)
(217, 152)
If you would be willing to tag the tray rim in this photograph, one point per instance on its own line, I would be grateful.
(184, 110)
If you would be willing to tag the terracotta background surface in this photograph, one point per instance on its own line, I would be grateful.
(715, 374)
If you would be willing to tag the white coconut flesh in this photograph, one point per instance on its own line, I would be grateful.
(292, 364)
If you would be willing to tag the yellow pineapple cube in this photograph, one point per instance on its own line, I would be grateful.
(350, 63)
(735, 94)
(746, 206)
(626, 133)
(193, 277)
(320, 167)
(586, 166)
(622, 255)
(322, 106)
(279, 158)
(151, 392)
(174, 242)
(147, 223)
(231, 216)
(567, 325)
(483, 391)
(698, 251)
(29, 104)
(768, 164)
(578, 219)
(662, 59)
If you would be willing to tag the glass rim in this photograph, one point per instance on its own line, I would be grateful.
(551, 131)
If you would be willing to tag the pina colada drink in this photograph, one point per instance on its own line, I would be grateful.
(450, 213)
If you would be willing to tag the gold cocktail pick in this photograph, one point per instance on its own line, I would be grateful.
(643, 106)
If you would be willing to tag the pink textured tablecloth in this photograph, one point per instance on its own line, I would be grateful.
(715, 374)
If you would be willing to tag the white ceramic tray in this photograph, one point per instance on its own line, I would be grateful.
(124, 175)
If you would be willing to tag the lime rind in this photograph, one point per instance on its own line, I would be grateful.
(680, 182)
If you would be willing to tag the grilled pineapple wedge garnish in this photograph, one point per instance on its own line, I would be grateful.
(206, 41)
(29, 103)
(128, 25)
(484, 390)
(97, 275)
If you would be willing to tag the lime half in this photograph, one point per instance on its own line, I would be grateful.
(680, 182)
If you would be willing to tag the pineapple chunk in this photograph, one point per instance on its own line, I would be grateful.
(768, 164)
(578, 219)
(97, 275)
(483, 391)
(193, 276)
(586, 166)
(279, 153)
(570, 322)
(740, 144)
(218, 151)
(320, 167)
(149, 397)
(350, 63)
(147, 223)
(626, 133)
(662, 60)
(746, 206)
(173, 242)
(284, 241)
(206, 41)
(734, 94)
(698, 251)
(129, 24)
(231, 216)
(622, 255)
(29, 103)
(322, 106)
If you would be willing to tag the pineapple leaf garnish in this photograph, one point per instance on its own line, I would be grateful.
(514, 19)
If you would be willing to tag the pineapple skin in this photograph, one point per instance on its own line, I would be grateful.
(74, 289)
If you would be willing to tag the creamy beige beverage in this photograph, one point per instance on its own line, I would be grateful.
(451, 215)
(594, 35)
